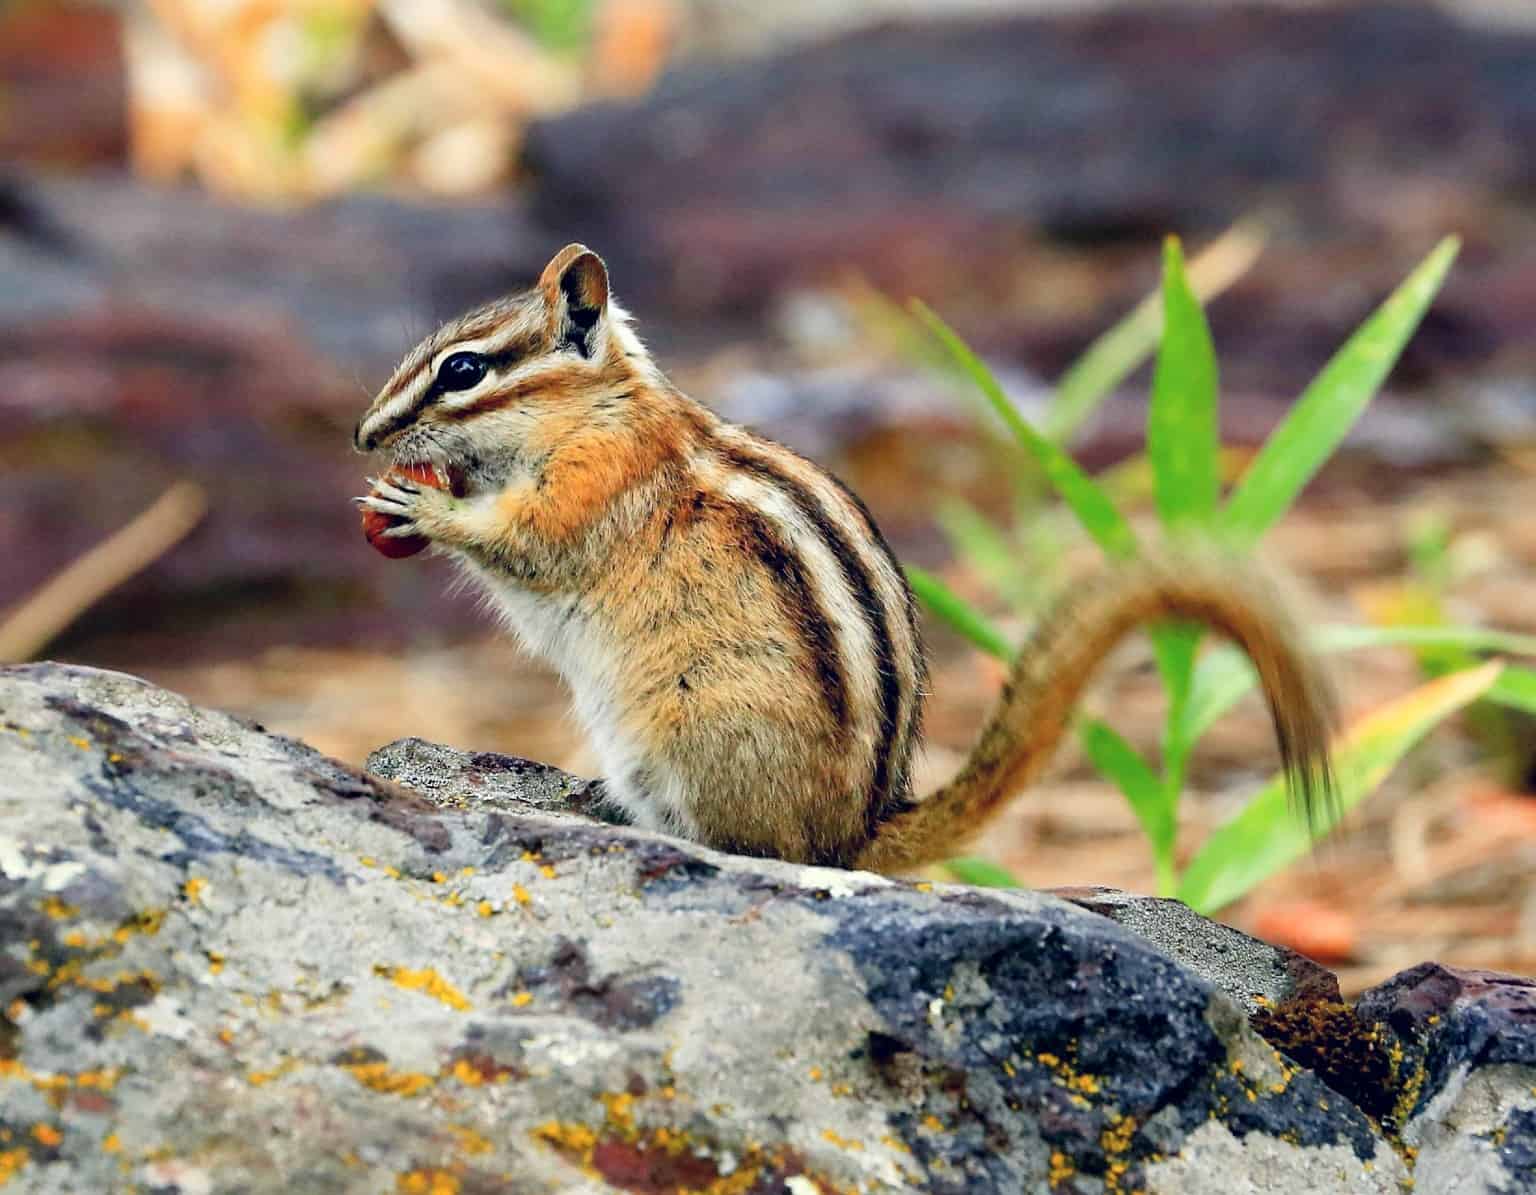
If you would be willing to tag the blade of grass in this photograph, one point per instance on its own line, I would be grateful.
(1121, 763)
(1467, 638)
(1118, 353)
(1092, 506)
(1330, 405)
(996, 559)
(1266, 835)
(1181, 422)
(1515, 689)
(1175, 648)
(961, 617)
(982, 873)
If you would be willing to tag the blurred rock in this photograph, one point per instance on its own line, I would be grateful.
(152, 334)
(963, 160)
(63, 98)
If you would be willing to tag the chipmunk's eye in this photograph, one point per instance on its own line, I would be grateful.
(460, 371)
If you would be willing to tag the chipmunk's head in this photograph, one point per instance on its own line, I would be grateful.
(482, 383)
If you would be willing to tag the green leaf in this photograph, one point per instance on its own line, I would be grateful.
(959, 614)
(1467, 638)
(1144, 791)
(1175, 648)
(1091, 505)
(982, 873)
(1118, 353)
(1325, 412)
(1182, 439)
(1266, 835)
(1515, 689)
(995, 558)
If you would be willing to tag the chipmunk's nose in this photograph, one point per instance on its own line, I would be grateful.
(361, 442)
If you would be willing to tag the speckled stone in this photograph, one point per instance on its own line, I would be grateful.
(230, 964)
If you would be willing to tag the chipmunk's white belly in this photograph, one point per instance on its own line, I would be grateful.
(555, 628)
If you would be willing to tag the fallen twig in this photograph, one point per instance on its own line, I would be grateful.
(37, 620)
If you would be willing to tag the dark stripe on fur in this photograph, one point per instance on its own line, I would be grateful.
(884, 799)
(804, 611)
(913, 730)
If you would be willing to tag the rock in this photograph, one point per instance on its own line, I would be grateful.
(65, 86)
(453, 779)
(1468, 1044)
(1254, 973)
(228, 963)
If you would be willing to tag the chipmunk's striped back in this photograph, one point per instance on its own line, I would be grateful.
(740, 643)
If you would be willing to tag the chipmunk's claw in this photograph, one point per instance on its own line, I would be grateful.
(395, 499)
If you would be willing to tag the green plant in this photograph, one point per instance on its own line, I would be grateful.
(560, 25)
(1184, 454)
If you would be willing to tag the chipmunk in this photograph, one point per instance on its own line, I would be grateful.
(741, 644)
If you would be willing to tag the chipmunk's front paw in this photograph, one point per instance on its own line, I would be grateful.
(411, 509)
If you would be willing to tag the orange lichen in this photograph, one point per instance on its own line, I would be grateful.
(673, 1161)
(572, 1138)
(470, 1141)
(192, 889)
(111, 1143)
(12, 1162)
(522, 999)
(427, 1182)
(260, 1079)
(427, 981)
(147, 922)
(377, 1076)
(466, 1073)
(47, 1135)
(520, 894)
(849, 1143)
(57, 909)
(621, 1112)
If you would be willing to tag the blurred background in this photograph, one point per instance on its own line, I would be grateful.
(222, 221)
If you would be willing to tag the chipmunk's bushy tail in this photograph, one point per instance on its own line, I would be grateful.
(1058, 661)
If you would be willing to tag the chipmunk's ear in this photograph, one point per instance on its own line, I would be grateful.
(575, 285)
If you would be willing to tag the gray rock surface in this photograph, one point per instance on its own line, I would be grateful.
(1254, 973)
(230, 964)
